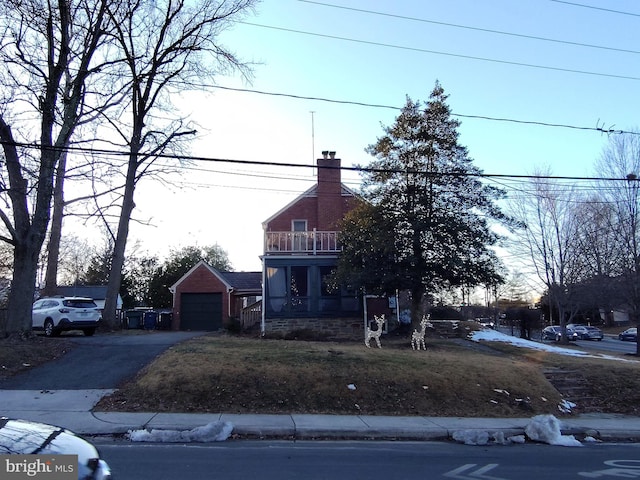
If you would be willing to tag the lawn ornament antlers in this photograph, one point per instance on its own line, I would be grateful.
(417, 337)
(375, 334)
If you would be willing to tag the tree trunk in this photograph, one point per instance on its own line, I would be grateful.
(53, 248)
(25, 267)
(109, 315)
(416, 307)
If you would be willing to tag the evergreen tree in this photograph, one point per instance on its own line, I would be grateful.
(425, 223)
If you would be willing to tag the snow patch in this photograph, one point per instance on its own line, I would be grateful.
(489, 335)
(541, 428)
(546, 429)
(211, 432)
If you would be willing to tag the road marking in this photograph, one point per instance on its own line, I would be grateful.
(622, 469)
(474, 475)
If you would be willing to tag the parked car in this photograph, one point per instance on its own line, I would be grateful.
(20, 437)
(57, 314)
(486, 322)
(630, 334)
(553, 332)
(587, 332)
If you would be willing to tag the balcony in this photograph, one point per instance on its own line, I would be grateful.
(301, 243)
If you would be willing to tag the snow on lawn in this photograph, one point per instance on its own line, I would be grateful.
(488, 335)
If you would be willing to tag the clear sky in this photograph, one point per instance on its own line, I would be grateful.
(542, 61)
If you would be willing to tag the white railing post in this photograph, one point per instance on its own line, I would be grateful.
(313, 239)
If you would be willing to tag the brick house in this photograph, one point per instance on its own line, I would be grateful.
(207, 299)
(300, 251)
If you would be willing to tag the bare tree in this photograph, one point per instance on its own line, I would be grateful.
(169, 47)
(550, 242)
(48, 53)
(620, 160)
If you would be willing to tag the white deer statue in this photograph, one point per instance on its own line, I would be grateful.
(417, 337)
(375, 334)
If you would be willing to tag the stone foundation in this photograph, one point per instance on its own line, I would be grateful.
(331, 328)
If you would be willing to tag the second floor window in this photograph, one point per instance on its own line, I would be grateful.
(299, 225)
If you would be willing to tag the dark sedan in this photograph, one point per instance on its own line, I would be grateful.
(553, 332)
(630, 335)
(586, 332)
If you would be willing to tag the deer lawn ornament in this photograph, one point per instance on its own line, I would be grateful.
(375, 334)
(417, 337)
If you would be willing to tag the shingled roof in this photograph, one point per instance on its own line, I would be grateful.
(243, 281)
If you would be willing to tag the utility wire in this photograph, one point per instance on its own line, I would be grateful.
(108, 152)
(575, 4)
(605, 130)
(467, 27)
(447, 54)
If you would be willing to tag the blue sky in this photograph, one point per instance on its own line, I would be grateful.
(588, 76)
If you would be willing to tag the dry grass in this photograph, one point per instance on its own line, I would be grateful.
(243, 375)
(249, 375)
(18, 354)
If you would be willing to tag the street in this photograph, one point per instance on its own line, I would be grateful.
(609, 344)
(368, 460)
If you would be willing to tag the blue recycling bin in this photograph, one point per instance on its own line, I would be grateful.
(150, 319)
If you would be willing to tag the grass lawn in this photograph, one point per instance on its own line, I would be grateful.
(454, 377)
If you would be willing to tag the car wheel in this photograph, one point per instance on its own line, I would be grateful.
(49, 331)
(89, 331)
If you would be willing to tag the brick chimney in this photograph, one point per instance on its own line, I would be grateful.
(330, 204)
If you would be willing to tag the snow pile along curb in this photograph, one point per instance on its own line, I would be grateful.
(212, 432)
(541, 428)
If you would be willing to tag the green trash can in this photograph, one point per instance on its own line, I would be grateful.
(134, 319)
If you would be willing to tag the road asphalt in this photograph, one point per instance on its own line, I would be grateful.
(73, 409)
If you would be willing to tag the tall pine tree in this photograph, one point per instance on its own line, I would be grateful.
(425, 222)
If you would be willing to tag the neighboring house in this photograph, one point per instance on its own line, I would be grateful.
(301, 249)
(97, 292)
(207, 299)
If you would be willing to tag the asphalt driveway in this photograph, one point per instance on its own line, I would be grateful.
(98, 362)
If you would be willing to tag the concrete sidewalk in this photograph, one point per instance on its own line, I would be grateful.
(73, 409)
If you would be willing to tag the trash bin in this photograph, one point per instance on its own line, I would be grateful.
(134, 319)
(164, 320)
(150, 319)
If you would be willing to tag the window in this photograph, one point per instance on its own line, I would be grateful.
(329, 292)
(299, 225)
(276, 288)
(299, 289)
(299, 228)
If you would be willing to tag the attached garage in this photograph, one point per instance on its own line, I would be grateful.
(201, 311)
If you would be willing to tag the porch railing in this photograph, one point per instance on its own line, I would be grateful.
(309, 242)
(251, 315)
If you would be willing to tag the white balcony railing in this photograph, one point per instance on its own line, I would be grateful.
(309, 242)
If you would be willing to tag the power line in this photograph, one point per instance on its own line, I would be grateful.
(599, 129)
(467, 27)
(448, 54)
(360, 169)
(582, 5)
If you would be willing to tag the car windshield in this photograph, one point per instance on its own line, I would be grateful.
(80, 303)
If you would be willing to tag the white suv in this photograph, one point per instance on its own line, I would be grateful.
(56, 314)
